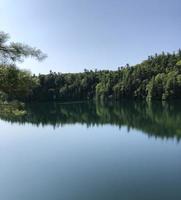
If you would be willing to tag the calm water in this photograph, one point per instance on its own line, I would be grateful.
(91, 151)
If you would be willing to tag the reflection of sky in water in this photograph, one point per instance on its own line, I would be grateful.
(77, 163)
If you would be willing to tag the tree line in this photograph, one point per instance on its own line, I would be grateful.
(158, 77)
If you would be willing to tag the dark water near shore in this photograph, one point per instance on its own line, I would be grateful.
(87, 151)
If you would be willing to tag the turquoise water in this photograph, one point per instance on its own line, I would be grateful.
(87, 151)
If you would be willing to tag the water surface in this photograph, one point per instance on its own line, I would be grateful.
(87, 151)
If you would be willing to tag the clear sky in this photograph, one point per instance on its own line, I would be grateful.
(102, 34)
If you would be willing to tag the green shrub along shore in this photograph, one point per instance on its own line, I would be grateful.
(158, 77)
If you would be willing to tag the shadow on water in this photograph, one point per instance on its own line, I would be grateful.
(155, 119)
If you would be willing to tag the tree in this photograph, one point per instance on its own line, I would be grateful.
(16, 84)
(13, 52)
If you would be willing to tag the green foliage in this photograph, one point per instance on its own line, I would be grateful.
(13, 110)
(10, 53)
(158, 77)
(178, 63)
(16, 84)
(3, 97)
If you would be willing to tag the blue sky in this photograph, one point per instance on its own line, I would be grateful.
(92, 34)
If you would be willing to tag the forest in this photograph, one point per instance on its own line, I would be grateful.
(156, 78)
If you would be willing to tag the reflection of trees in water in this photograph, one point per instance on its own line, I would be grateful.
(160, 120)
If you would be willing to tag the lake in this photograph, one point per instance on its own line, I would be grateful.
(91, 151)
